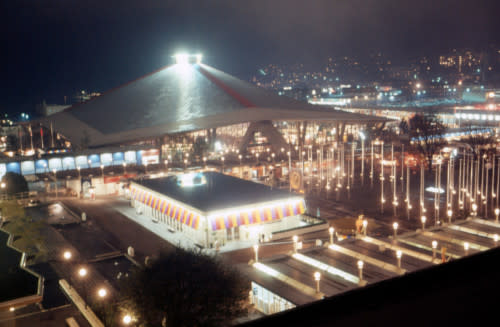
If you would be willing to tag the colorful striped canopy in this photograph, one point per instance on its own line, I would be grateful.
(244, 217)
(174, 211)
(257, 216)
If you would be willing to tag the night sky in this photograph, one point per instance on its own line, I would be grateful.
(53, 48)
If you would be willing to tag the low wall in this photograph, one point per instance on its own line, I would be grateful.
(319, 226)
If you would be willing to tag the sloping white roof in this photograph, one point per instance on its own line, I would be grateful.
(182, 98)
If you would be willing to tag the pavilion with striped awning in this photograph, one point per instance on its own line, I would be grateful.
(222, 208)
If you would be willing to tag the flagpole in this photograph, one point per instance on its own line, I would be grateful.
(41, 134)
(31, 137)
(21, 139)
(52, 134)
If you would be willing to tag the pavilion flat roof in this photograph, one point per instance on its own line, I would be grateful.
(220, 192)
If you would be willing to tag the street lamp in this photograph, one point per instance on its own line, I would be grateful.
(365, 225)
(395, 227)
(67, 255)
(241, 172)
(295, 238)
(55, 177)
(317, 278)
(423, 219)
(497, 212)
(82, 272)
(102, 292)
(399, 255)
(127, 319)
(256, 250)
(466, 248)
(450, 213)
(331, 230)
(495, 238)
(474, 209)
(360, 270)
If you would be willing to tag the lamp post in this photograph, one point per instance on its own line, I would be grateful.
(466, 248)
(495, 238)
(474, 209)
(399, 255)
(102, 170)
(79, 175)
(365, 225)
(331, 230)
(360, 270)
(317, 278)
(423, 219)
(395, 227)
(124, 168)
(256, 250)
(295, 238)
(241, 171)
(205, 162)
(450, 213)
(82, 273)
(497, 212)
(434, 248)
(55, 177)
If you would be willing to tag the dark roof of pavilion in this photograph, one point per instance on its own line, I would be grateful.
(182, 98)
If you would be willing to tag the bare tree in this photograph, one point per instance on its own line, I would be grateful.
(426, 135)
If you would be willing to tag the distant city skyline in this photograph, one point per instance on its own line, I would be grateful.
(54, 49)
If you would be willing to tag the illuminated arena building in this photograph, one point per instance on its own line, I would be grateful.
(175, 107)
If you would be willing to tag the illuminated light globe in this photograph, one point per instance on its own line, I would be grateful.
(191, 180)
(127, 319)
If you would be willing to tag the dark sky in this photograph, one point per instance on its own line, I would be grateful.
(51, 48)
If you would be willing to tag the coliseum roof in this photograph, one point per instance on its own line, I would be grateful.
(182, 98)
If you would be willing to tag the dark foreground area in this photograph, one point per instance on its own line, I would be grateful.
(461, 292)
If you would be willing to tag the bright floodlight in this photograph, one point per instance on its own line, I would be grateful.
(360, 264)
(434, 244)
(317, 276)
(181, 59)
(399, 254)
(184, 58)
